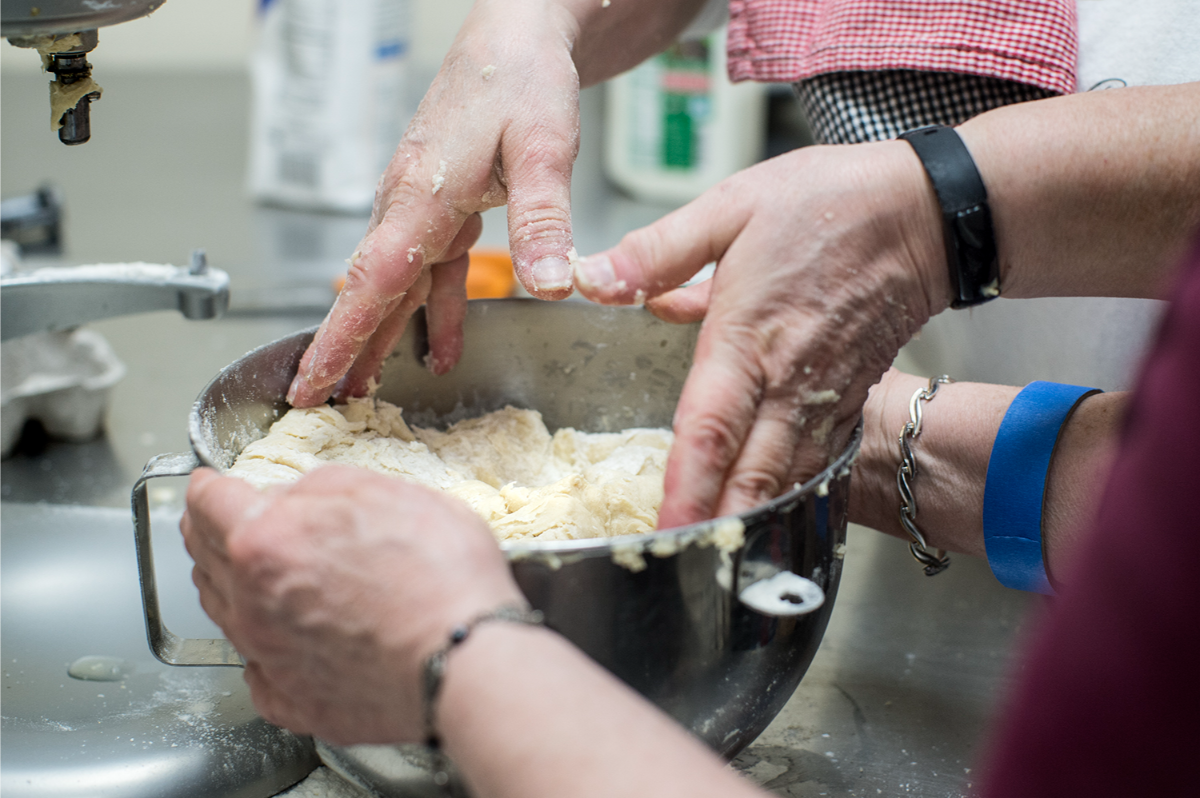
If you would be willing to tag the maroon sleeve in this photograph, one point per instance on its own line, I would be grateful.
(1109, 700)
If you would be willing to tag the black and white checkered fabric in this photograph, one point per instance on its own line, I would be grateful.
(852, 107)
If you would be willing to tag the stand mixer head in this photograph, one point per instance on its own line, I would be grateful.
(64, 32)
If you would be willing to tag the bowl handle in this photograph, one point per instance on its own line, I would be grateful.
(166, 645)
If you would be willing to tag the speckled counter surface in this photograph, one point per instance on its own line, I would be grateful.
(899, 697)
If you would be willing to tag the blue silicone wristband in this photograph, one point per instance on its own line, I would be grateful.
(1016, 482)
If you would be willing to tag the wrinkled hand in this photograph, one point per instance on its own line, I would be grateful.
(500, 124)
(336, 589)
(828, 260)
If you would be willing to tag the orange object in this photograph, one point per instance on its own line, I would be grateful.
(490, 275)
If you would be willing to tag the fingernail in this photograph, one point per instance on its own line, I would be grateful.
(551, 273)
(301, 392)
(435, 366)
(595, 272)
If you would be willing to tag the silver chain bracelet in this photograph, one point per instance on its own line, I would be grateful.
(934, 561)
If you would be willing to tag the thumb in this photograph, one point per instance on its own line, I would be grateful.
(538, 174)
(657, 258)
(224, 500)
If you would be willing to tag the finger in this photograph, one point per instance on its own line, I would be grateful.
(682, 305)
(271, 703)
(537, 168)
(467, 237)
(216, 505)
(764, 464)
(717, 406)
(781, 454)
(201, 547)
(301, 392)
(369, 364)
(446, 305)
(213, 600)
(666, 254)
(356, 315)
(445, 310)
(415, 230)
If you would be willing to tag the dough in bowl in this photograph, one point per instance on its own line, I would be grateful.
(526, 483)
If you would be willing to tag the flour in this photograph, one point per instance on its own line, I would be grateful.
(324, 783)
(526, 483)
(439, 179)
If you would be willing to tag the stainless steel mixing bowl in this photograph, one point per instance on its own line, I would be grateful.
(667, 612)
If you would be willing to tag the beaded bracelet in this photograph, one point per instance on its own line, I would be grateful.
(435, 671)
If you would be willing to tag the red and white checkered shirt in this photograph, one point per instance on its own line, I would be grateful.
(1030, 41)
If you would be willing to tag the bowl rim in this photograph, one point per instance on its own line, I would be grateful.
(583, 547)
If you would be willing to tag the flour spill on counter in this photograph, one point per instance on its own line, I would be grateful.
(324, 783)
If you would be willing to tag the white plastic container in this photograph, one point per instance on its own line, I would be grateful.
(62, 379)
(676, 126)
(330, 100)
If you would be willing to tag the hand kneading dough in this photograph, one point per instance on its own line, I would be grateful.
(524, 482)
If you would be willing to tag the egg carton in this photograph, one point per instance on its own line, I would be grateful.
(62, 379)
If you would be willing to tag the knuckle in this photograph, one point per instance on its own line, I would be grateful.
(546, 148)
(404, 191)
(398, 183)
(642, 246)
(758, 484)
(257, 556)
(713, 439)
(809, 460)
(641, 254)
(539, 224)
(358, 275)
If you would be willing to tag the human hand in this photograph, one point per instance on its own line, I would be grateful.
(828, 260)
(335, 589)
(946, 449)
(500, 124)
(958, 429)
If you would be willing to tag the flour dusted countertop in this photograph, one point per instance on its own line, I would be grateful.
(525, 482)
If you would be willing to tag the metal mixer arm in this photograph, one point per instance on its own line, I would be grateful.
(60, 298)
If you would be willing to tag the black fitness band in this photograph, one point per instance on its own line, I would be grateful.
(966, 218)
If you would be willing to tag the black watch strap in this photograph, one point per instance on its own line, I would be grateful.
(966, 219)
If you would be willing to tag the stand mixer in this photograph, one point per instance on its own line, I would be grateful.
(64, 32)
(88, 711)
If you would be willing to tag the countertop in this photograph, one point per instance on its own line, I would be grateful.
(897, 701)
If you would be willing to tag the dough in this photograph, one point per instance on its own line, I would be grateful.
(65, 96)
(526, 483)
